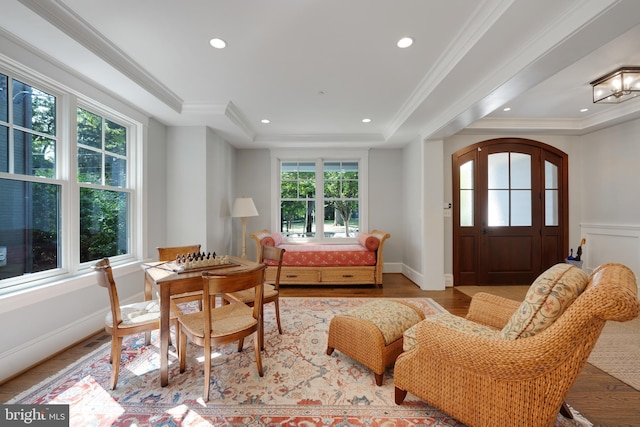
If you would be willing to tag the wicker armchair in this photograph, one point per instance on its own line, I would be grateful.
(485, 381)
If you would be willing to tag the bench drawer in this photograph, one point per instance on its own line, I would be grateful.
(356, 275)
(294, 275)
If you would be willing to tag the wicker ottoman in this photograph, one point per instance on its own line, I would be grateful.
(372, 333)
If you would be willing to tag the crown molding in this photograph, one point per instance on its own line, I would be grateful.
(233, 114)
(67, 21)
(487, 13)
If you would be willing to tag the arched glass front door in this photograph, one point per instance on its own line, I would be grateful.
(510, 211)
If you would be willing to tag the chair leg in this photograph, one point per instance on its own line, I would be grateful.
(207, 372)
(147, 338)
(565, 411)
(258, 350)
(240, 344)
(400, 395)
(116, 350)
(277, 304)
(182, 351)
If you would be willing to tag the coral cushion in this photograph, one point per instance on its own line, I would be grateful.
(369, 241)
(271, 239)
(548, 297)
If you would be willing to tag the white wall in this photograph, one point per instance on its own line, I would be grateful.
(220, 189)
(610, 174)
(156, 185)
(186, 180)
(386, 201)
(412, 213)
(423, 217)
(253, 179)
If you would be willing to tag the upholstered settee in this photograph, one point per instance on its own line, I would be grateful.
(336, 264)
(512, 363)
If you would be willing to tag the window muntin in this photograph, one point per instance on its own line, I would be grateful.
(301, 204)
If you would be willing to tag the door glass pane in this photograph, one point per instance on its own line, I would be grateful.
(466, 176)
(520, 171)
(550, 175)
(498, 208)
(551, 207)
(466, 208)
(498, 171)
(550, 194)
(521, 208)
(466, 194)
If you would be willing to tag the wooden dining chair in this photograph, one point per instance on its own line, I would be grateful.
(226, 323)
(129, 319)
(170, 254)
(270, 255)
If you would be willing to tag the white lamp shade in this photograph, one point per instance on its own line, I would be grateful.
(243, 207)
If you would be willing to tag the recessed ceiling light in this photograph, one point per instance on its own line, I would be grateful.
(405, 42)
(584, 110)
(218, 43)
(265, 121)
(506, 109)
(366, 120)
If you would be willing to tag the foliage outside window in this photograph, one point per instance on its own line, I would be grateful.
(301, 205)
(102, 176)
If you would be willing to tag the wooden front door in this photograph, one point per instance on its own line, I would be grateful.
(510, 211)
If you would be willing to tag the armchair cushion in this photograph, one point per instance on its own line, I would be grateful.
(452, 322)
(548, 297)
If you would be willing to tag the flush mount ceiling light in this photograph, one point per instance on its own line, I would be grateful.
(617, 86)
(265, 121)
(366, 120)
(218, 43)
(405, 42)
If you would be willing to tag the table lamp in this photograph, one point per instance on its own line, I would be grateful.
(243, 207)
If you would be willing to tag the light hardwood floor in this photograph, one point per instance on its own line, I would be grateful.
(602, 399)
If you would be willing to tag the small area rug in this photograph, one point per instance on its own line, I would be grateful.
(302, 386)
(617, 351)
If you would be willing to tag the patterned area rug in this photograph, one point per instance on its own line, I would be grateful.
(302, 386)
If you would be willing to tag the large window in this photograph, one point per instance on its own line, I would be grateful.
(320, 199)
(66, 192)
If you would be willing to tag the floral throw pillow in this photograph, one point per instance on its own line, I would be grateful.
(548, 297)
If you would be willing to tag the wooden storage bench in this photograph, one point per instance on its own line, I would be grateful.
(335, 264)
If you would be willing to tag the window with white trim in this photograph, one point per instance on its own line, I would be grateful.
(65, 202)
(321, 198)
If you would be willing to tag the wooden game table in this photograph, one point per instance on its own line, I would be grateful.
(159, 277)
